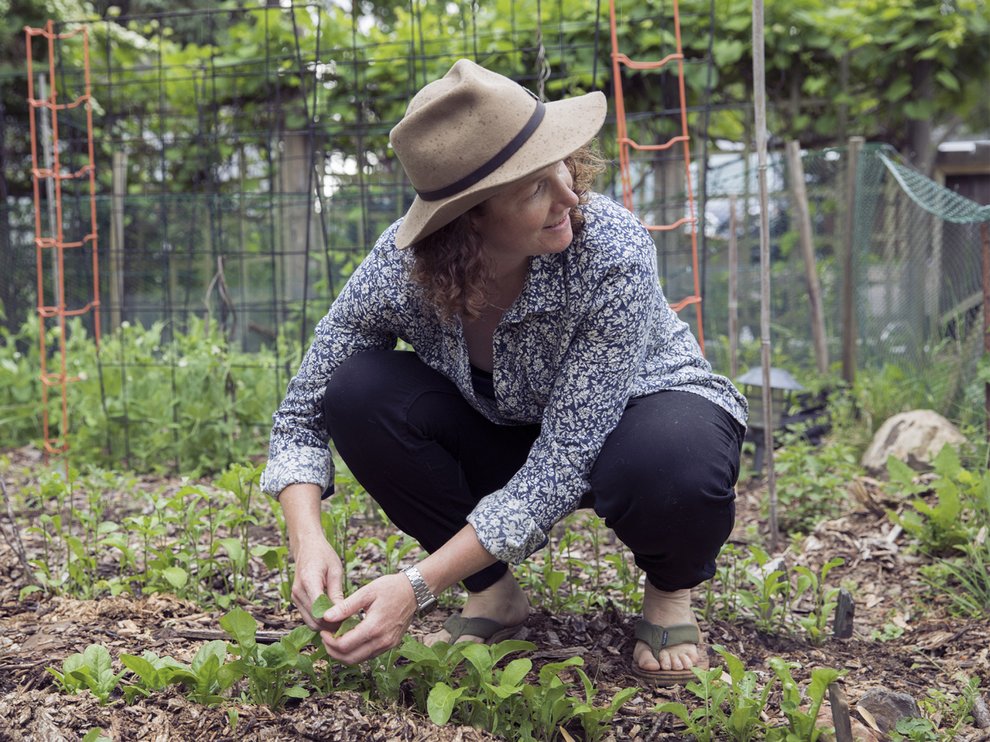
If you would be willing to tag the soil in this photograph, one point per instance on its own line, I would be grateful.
(926, 650)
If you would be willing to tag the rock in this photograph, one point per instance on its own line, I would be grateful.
(887, 707)
(914, 437)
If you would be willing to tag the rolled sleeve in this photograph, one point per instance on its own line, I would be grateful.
(298, 466)
(505, 528)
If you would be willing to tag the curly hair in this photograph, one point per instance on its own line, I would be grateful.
(452, 268)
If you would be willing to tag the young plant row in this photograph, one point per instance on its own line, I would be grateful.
(195, 542)
(466, 683)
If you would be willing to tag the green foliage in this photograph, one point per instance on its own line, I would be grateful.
(802, 722)
(193, 543)
(467, 685)
(753, 585)
(944, 714)
(961, 508)
(150, 673)
(733, 709)
(91, 669)
(209, 675)
(811, 482)
(272, 670)
(159, 398)
(822, 601)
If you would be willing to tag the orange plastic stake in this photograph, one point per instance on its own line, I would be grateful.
(626, 143)
(58, 441)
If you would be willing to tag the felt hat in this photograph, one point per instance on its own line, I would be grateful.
(472, 132)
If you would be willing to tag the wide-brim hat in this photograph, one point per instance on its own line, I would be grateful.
(472, 132)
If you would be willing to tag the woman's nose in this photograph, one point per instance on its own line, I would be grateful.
(564, 185)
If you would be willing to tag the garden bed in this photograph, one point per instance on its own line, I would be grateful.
(905, 636)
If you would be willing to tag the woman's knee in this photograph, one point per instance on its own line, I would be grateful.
(647, 491)
(360, 389)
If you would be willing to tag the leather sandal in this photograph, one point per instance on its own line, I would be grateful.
(487, 629)
(661, 637)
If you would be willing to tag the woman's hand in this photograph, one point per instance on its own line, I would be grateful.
(319, 571)
(388, 604)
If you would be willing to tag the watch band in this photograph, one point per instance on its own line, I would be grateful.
(425, 600)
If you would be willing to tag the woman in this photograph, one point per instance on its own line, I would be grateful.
(549, 373)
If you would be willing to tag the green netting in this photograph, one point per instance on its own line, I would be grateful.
(916, 250)
(934, 198)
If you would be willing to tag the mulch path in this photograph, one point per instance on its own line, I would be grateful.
(931, 651)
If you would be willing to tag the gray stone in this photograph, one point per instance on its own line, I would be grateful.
(914, 437)
(887, 707)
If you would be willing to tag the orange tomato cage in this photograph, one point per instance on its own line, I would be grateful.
(52, 305)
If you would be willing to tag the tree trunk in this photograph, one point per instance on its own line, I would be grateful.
(921, 148)
(9, 311)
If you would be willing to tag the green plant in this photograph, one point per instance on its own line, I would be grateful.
(811, 481)
(949, 712)
(733, 710)
(968, 576)
(822, 599)
(770, 596)
(209, 675)
(940, 526)
(152, 673)
(271, 671)
(913, 729)
(802, 723)
(91, 669)
(467, 684)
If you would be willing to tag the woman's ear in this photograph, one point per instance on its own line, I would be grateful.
(474, 217)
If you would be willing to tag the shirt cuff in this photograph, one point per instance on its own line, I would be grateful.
(298, 466)
(505, 528)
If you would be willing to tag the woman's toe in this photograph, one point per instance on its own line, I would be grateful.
(644, 658)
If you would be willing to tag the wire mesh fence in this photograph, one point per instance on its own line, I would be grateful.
(244, 173)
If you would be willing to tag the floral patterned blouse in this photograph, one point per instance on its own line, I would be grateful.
(590, 330)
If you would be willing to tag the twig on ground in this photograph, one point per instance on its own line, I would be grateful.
(14, 538)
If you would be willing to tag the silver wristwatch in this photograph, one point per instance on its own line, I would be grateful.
(425, 600)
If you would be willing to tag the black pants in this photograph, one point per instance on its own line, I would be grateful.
(663, 480)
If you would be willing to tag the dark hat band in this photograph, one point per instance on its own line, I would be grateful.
(493, 164)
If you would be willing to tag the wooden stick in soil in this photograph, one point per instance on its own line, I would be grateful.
(800, 196)
(985, 238)
(849, 325)
(733, 291)
(760, 115)
(840, 713)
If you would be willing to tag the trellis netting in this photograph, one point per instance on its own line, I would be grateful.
(916, 268)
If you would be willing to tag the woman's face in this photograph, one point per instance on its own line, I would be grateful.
(530, 217)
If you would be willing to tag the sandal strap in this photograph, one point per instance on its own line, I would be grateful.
(659, 637)
(457, 626)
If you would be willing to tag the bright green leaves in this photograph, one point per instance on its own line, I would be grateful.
(91, 670)
(734, 708)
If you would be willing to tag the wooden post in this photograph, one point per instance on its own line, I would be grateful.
(800, 196)
(845, 613)
(985, 235)
(733, 291)
(118, 189)
(840, 713)
(760, 117)
(849, 325)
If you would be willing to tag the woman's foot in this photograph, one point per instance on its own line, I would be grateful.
(504, 602)
(667, 609)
